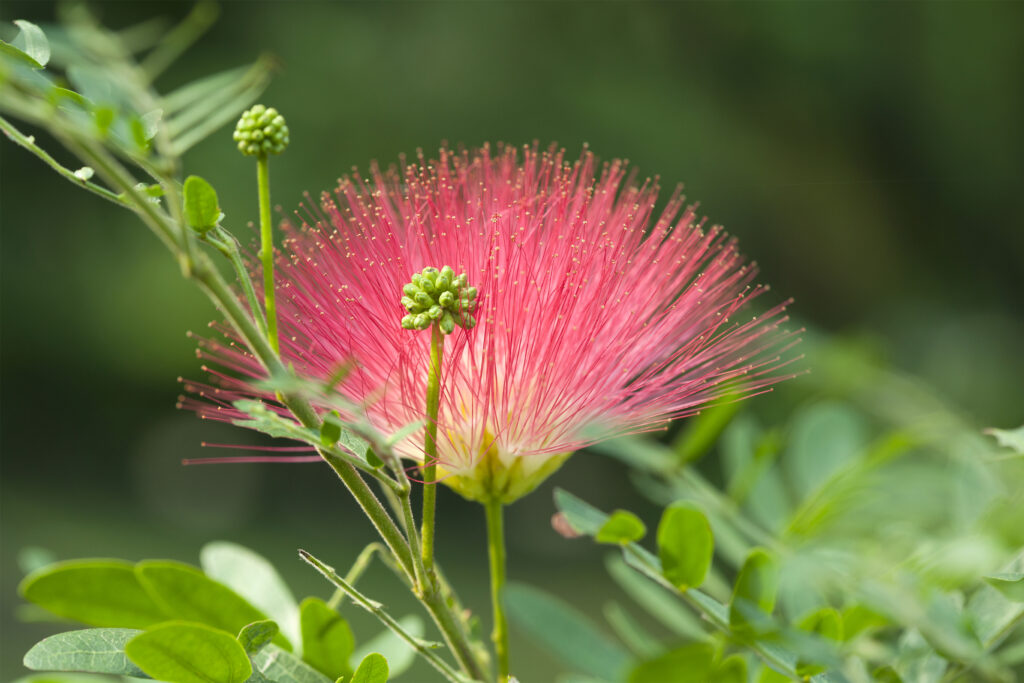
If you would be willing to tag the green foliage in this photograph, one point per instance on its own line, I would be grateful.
(327, 640)
(1009, 438)
(569, 634)
(685, 545)
(94, 592)
(254, 578)
(1010, 585)
(183, 652)
(398, 653)
(96, 650)
(257, 635)
(373, 669)
(282, 666)
(31, 46)
(184, 592)
(754, 593)
(687, 664)
(621, 528)
(202, 209)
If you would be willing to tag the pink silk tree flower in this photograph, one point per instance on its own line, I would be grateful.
(594, 317)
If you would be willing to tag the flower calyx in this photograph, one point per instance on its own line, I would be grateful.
(261, 131)
(439, 296)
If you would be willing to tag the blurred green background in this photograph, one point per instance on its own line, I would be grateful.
(869, 155)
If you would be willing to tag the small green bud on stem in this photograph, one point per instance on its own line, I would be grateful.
(261, 131)
(439, 296)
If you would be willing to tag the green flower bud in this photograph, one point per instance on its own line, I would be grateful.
(438, 297)
(261, 131)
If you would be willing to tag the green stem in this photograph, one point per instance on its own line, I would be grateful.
(358, 567)
(496, 555)
(430, 446)
(29, 143)
(267, 249)
(228, 246)
(377, 610)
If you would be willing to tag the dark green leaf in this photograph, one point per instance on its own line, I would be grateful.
(399, 654)
(1011, 585)
(731, 670)
(330, 430)
(201, 207)
(94, 592)
(36, 45)
(186, 593)
(327, 641)
(372, 459)
(94, 650)
(255, 636)
(373, 669)
(566, 632)
(183, 652)
(254, 578)
(754, 592)
(688, 664)
(685, 545)
(621, 528)
(886, 674)
(279, 666)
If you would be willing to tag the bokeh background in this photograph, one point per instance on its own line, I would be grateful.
(869, 155)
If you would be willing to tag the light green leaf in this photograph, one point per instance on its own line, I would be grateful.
(685, 545)
(688, 664)
(1011, 585)
(582, 517)
(373, 669)
(186, 593)
(11, 51)
(1009, 438)
(254, 578)
(279, 666)
(754, 592)
(94, 650)
(257, 635)
(399, 654)
(859, 619)
(36, 45)
(94, 592)
(183, 652)
(201, 207)
(568, 634)
(327, 641)
(824, 438)
(33, 558)
(63, 677)
(621, 528)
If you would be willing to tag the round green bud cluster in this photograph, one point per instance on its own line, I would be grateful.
(439, 296)
(261, 131)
